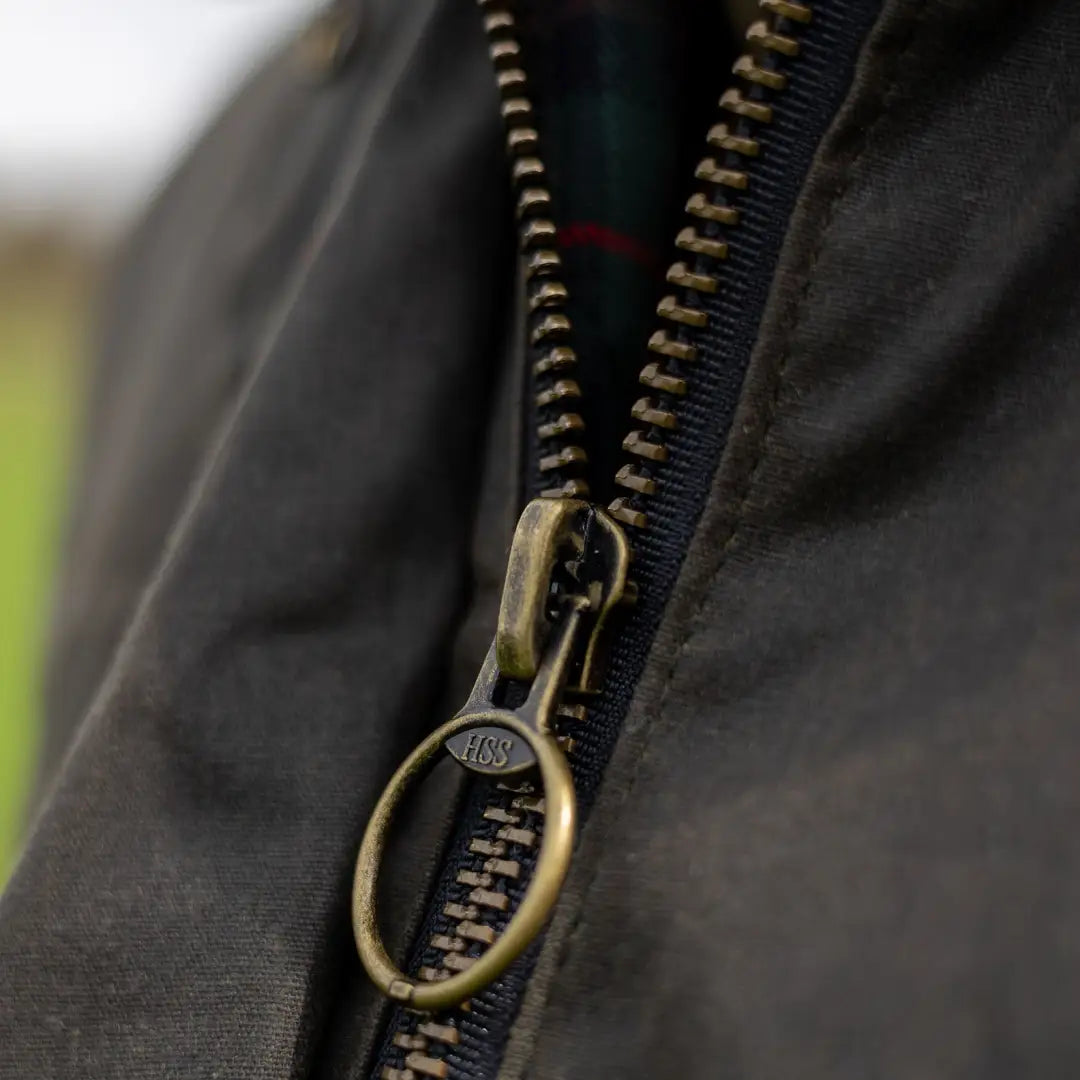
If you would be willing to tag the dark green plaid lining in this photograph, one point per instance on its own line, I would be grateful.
(618, 95)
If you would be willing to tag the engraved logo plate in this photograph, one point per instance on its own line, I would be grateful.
(492, 750)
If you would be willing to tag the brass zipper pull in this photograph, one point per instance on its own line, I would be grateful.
(566, 573)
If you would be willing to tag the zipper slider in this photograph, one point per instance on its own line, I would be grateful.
(564, 550)
(566, 574)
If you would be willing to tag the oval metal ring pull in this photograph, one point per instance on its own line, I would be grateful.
(548, 639)
(556, 846)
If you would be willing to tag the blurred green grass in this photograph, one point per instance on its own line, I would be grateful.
(42, 320)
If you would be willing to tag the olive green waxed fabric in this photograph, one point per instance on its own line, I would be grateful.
(197, 291)
(839, 836)
(181, 909)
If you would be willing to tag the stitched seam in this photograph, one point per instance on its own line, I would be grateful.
(792, 320)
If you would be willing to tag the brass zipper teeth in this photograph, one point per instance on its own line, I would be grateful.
(559, 425)
(703, 245)
(488, 888)
(518, 830)
(517, 815)
(517, 819)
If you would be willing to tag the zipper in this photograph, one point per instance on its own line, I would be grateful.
(545, 711)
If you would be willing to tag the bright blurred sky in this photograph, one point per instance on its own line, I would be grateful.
(100, 96)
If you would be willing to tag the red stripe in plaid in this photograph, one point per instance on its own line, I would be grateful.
(593, 234)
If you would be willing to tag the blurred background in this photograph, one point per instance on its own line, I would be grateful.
(101, 98)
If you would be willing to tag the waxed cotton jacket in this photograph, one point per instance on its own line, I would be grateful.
(832, 829)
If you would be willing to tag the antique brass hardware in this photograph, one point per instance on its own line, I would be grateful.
(566, 572)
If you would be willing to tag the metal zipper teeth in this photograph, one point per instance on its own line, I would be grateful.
(485, 890)
(713, 212)
(512, 821)
(560, 428)
(495, 883)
